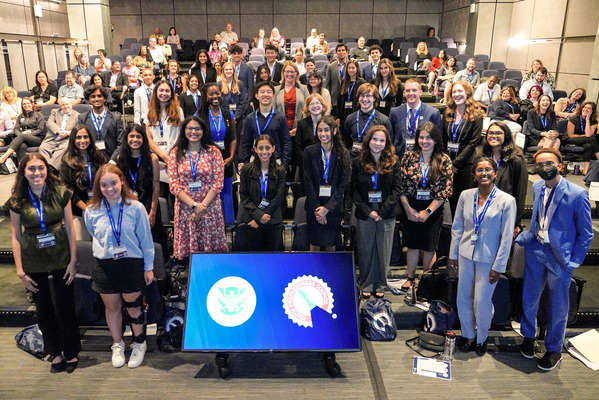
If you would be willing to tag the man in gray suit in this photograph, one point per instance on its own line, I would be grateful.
(62, 120)
(334, 75)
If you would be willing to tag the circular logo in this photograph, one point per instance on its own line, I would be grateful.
(381, 321)
(231, 301)
(302, 295)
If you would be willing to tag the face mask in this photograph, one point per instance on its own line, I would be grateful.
(547, 172)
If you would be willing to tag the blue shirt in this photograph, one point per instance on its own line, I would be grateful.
(135, 234)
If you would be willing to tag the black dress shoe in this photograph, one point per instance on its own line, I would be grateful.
(481, 348)
(71, 366)
(468, 346)
(58, 367)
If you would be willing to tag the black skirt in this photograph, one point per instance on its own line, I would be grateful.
(421, 235)
(125, 275)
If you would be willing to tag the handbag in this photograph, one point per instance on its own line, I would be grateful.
(30, 340)
(378, 320)
(440, 317)
(8, 167)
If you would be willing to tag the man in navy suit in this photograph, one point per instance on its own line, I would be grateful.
(557, 242)
(244, 72)
(406, 118)
(369, 71)
(270, 53)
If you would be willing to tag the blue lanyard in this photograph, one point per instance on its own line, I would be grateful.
(194, 165)
(173, 83)
(412, 127)
(361, 132)
(351, 89)
(423, 171)
(582, 124)
(327, 164)
(545, 207)
(490, 94)
(479, 219)
(148, 93)
(454, 131)
(116, 229)
(134, 177)
(237, 70)
(470, 77)
(263, 183)
(218, 134)
(272, 111)
(384, 90)
(571, 107)
(162, 122)
(341, 70)
(39, 207)
(543, 121)
(372, 67)
(203, 74)
(498, 161)
(90, 177)
(510, 106)
(196, 100)
(375, 180)
(99, 128)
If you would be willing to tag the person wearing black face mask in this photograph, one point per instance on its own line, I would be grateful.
(557, 242)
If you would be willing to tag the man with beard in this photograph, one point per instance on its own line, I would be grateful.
(557, 242)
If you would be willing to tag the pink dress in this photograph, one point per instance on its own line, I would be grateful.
(206, 234)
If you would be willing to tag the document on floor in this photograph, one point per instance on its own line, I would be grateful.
(432, 368)
(587, 344)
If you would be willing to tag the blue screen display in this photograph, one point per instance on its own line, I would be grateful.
(271, 301)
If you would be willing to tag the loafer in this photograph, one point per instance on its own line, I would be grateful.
(549, 361)
(468, 346)
(58, 367)
(481, 348)
(71, 366)
(528, 348)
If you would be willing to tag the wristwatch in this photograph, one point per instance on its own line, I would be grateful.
(193, 207)
(428, 210)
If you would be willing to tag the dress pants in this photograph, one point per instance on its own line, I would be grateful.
(541, 268)
(58, 325)
(375, 242)
(475, 299)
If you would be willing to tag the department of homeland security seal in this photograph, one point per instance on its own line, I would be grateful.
(231, 301)
(302, 295)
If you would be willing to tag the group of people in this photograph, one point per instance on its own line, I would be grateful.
(347, 140)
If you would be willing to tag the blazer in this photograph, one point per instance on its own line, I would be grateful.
(301, 94)
(388, 184)
(112, 132)
(34, 122)
(391, 101)
(277, 129)
(495, 234)
(469, 137)
(140, 103)
(122, 80)
(54, 146)
(250, 194)
(313, 172)
(350, 131)
(397, 116)
(197, 72)
(277, 72)
(570, 228)
(534, 126)
(246, 75)
(188, 104)
(256, 40)
(239, 99)
(333, 80)
(500, 110)
(304, 137)
(367, 73)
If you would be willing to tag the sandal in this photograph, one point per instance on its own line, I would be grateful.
(365, 295)
(411, 283)
(379, 295)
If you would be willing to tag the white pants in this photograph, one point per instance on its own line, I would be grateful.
(475, 299)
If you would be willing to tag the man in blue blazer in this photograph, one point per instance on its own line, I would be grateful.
(244, 72)
(369, 71)
(557, 242)
(405, 126)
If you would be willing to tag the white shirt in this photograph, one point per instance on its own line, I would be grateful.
(485, 95)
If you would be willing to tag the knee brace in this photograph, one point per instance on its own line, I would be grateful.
(140, 319)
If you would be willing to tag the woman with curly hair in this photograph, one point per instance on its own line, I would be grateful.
(423, 56)
(463, 129)
(375, 189)
(427, 183)
(541, 124)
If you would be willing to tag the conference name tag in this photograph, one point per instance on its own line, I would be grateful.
(382, 103)
(119, 252)
(195, 186)
(325, 191)
(100, 145)
(161, 144)
(410, 144)
(543, 237)
(220, 144)
(356, 146)
(348, 105)
(375, 196)
(263, 204)
(453, 147)
(473, 238)
(233, 107)
(45, 240)
(423, 194)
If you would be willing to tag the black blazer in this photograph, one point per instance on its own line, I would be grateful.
(535, 127)
(501, 111)
(210, 75)
(112, 132)
(250, 194)
(338, 179)
(187, 104)
(304, 137)
(469, 137)
(391, 101)
(388, 184)
(277, 72)
(121, 80)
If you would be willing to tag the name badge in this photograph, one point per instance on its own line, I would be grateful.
(382, 103)
(375, 196)
(423, 194)
(45, 240)
(232, 107)
(356, 146)
(410, 144)
(348, 105)
(473, 238)
(263, 204)
(220, 144)
(100, 145)
(325, 191)
(119, 252)
(195, 186)
(542, 237)
(161, 143)
(89, 194)
(453, 147)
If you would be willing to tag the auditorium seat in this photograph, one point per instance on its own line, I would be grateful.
(462, 57)
(135, 47)
(510, 82)
(513, 74)
(451, 52)
(256, 57)
(481, 57)
(372, 42)
(490, 72)
(127, 43)
(558, 94)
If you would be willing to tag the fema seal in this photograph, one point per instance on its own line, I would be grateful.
(302, 295)
(231, 301)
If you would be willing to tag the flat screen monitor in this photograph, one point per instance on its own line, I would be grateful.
(271, 301)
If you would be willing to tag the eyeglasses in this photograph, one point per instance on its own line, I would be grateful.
(366, 96)
(487, 170)
(495, 133)
(545, 163)
(193, 128)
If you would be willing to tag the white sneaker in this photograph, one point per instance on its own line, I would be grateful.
(118, 354)
(138, 351)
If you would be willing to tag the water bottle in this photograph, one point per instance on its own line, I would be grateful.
(449, 346)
